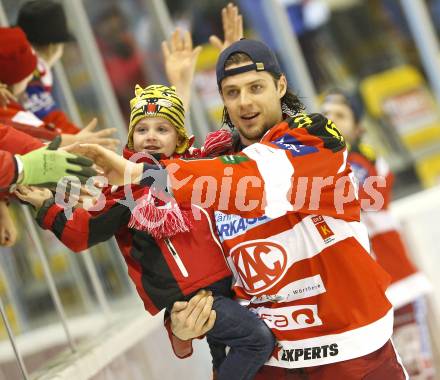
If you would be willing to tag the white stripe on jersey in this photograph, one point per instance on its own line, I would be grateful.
(276, 170)
(305, 235)
(347, 345)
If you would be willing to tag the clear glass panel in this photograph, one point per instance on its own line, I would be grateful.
(28, 303)
(23, 286)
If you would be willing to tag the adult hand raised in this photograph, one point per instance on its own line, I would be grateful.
(180, 63)
(90, 136)
(232, 22)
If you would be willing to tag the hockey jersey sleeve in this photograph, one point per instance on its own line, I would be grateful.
(299, 165)
(82, 229)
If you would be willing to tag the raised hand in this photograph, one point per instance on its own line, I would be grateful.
(180, 63)
(232, 22)
(6, 96)
(89, 135)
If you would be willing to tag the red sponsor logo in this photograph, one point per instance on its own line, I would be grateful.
(322, 227)
(291, 317)
(260, 264)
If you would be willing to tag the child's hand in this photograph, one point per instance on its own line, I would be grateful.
(33, 195)
(8, 232)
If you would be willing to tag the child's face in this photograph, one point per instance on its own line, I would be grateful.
(56, 51)
(155, 135)
(343, 117)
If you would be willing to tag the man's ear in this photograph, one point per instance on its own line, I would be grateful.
(282, 86)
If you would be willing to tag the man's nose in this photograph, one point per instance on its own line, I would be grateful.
(245, 99)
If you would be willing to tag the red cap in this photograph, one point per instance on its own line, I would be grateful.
(17, 58)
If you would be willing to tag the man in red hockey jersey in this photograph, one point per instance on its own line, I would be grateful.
(304, 267)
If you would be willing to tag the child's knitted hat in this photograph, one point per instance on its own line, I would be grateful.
(158, 101)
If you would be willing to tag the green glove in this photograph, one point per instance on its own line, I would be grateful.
(47, 165)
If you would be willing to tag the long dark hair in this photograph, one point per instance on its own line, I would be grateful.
(290, 103)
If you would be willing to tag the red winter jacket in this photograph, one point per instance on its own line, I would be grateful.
(13, 142)
(15, 116)
(163, 270)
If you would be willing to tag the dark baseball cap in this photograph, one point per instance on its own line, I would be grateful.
(262, 57)
(44, 22)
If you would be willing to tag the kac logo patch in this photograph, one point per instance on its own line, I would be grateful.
(260, 264)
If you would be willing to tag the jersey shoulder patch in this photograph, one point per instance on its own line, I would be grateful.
(318, 125)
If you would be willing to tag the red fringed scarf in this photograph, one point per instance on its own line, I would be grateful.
(159, 214)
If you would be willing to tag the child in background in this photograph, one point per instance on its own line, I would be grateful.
(408, 285)
(45, 25)
(172, 260)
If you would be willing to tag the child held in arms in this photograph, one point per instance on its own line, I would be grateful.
(170, 253)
